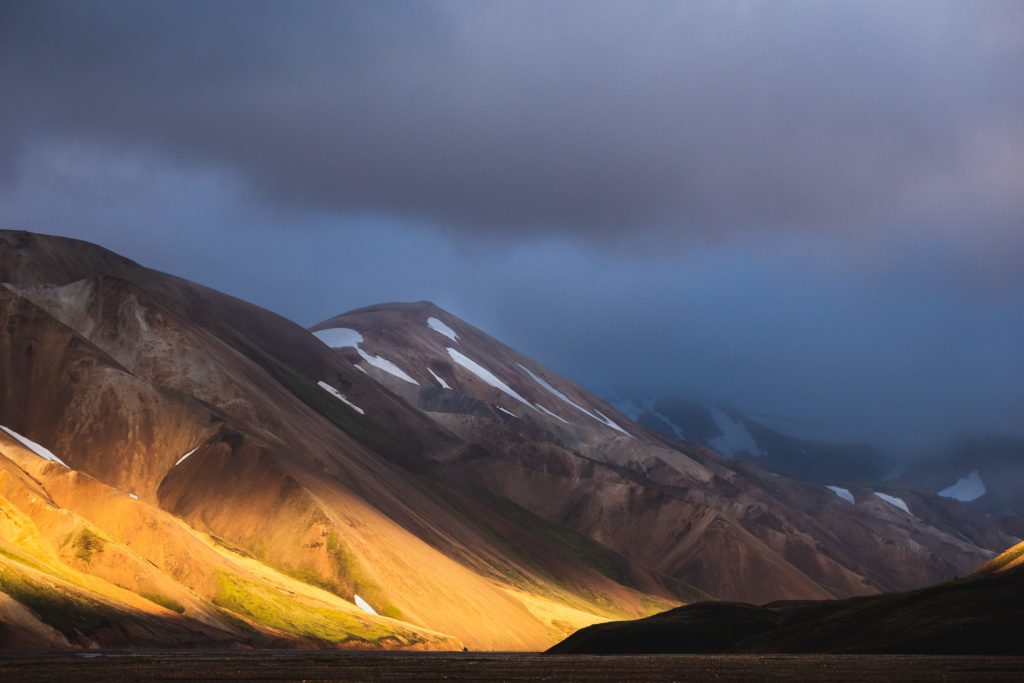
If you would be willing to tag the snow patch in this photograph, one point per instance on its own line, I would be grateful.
(440, 380)
(562, 397)
(735, 438)
(182, 458)
(966, 488)
(341, 397)
(507, 412)
(39, 450)
(365, 606)
(548, 412)
(344, 337)
(843, 493)
(360, 368)
(486, 375)
(438, 326)
(386, 365)
(893, 500)
(608, 421)
(339, 337)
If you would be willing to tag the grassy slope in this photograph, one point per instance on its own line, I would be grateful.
(84, 581)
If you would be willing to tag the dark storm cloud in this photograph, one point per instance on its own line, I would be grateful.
(591, 118)
(827, 196)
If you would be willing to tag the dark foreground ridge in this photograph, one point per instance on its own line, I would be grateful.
(399, 666)
(980, 615)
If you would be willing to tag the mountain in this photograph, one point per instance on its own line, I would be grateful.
(734, 434)
(975, 615)
(179, 468)
(985, 473)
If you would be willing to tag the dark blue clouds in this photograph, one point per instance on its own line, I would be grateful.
(809, 209)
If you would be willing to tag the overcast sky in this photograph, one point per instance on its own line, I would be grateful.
(810, 210)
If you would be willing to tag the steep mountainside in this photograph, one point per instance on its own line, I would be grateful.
(728, 527)
(976, 615)
(181, 468)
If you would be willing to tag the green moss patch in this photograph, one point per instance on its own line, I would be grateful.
(278, 610)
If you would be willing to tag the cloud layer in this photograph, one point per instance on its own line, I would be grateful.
(590, 118)
(808, 209)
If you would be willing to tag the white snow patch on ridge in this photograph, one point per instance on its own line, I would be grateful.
(507, 412)
(182, 458)
(339, 337)
(562, 397)
(39, 450)
(966, 488)
(341, 397)
(735, 438)
(548, 412)
(438, 326)
(440, 380)
(365, 606)
(485, 374)
(386, 365)
(343, 337)
(842, 493)
(893, 500)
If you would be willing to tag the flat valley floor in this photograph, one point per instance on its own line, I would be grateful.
(388, 666)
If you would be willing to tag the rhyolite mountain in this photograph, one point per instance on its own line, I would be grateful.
(978, 614)
(179, 468)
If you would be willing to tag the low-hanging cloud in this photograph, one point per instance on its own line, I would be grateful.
(590, 118)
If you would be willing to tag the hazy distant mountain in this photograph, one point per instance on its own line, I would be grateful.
(736, 435)
(985, 473)
(181, 468)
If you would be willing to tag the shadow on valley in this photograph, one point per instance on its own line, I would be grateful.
(976, 615)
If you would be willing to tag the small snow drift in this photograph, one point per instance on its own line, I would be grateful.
(340, 396)
(842, 493)
(507, 412)
(345, 337)
(439, 327)
(440, 380)
(365, 606)
(562, 397)
(549, 413)
(966, 488)
(182, 458)
(486, 375)
(386, 365)
(339, 337)
(28, 443)
(893, 500)
(735, 438)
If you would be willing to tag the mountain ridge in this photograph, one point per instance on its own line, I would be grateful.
(545, 507)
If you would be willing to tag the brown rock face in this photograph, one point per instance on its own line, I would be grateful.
(233, 479)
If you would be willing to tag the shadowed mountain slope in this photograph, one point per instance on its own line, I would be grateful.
(976, 615)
